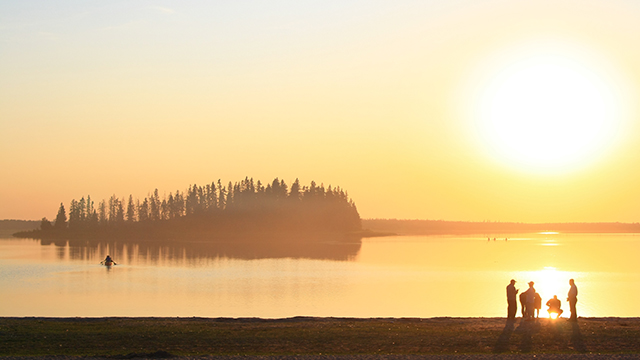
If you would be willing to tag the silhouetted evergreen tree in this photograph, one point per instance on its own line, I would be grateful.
(222, 196)
(192, 200)
(294, 194)
(82, 210)
(103, 218)
(119, 212)
(113, 208)
(74, 215)
(230, 194)
(179, 205)
(92, 214)
(143, 211)
(61, 218)
(131, 210)
(164, 210)
(154, 206)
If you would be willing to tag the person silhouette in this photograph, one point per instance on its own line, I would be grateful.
(530, 296)
(109, 261)
(572, 298)
(537, 304)
(512, 305)
(554, 306)
(523, 304)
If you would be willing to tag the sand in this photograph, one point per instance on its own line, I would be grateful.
(320, 338)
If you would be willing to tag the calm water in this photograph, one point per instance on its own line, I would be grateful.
(409, 276)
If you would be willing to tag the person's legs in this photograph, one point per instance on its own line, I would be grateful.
(512, 309)
(558, 312)
(572, 308)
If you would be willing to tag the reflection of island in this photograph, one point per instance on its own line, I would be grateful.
(246, 248)
(211, 211)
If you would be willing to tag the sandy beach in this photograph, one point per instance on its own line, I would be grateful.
(370, 357)
(320, 338)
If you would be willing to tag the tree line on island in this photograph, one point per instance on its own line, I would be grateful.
(241, 207)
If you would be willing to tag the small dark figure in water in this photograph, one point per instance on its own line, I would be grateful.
(109, 261)
(537, 304)
(523, 304)
(572, 298)
(554, 306)
(512, 305)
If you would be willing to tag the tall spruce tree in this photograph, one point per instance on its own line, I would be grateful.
(131, 210)
(61, 218)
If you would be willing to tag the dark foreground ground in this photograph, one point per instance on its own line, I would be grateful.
(321, 338)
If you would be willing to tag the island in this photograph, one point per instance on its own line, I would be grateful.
(243, 208)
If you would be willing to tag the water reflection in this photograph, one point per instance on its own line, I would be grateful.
(412, 276)
(195, 252)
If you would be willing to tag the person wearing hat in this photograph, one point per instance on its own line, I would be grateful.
(530, 297)
(512, 305)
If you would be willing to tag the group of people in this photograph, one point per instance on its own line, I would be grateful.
(531, 302)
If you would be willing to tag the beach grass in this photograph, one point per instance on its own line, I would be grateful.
(309, 336)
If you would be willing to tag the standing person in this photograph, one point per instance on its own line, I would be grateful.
(537, 299)
(512, 305)
(530, 296)
(523, 304)
(572, 298)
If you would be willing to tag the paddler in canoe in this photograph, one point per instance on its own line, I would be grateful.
(108, 261)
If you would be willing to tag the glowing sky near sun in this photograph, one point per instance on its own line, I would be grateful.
(394, 101)
(549, 107)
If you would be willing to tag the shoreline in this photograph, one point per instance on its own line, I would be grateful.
(129, 337)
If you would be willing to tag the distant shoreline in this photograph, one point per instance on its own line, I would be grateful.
(400, 227)
(488, 228)
(207, 236)
(121, 337)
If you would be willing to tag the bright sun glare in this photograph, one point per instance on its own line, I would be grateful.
(546, 108)
(549, 282)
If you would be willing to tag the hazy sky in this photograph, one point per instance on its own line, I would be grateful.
(457, 110)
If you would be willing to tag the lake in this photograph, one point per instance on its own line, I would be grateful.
(399, 276)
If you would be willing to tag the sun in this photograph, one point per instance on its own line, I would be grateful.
(546, 108)
(549, 281)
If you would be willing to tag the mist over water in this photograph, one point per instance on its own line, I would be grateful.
(401, 276)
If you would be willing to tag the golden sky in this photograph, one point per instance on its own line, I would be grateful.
(457, 110)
